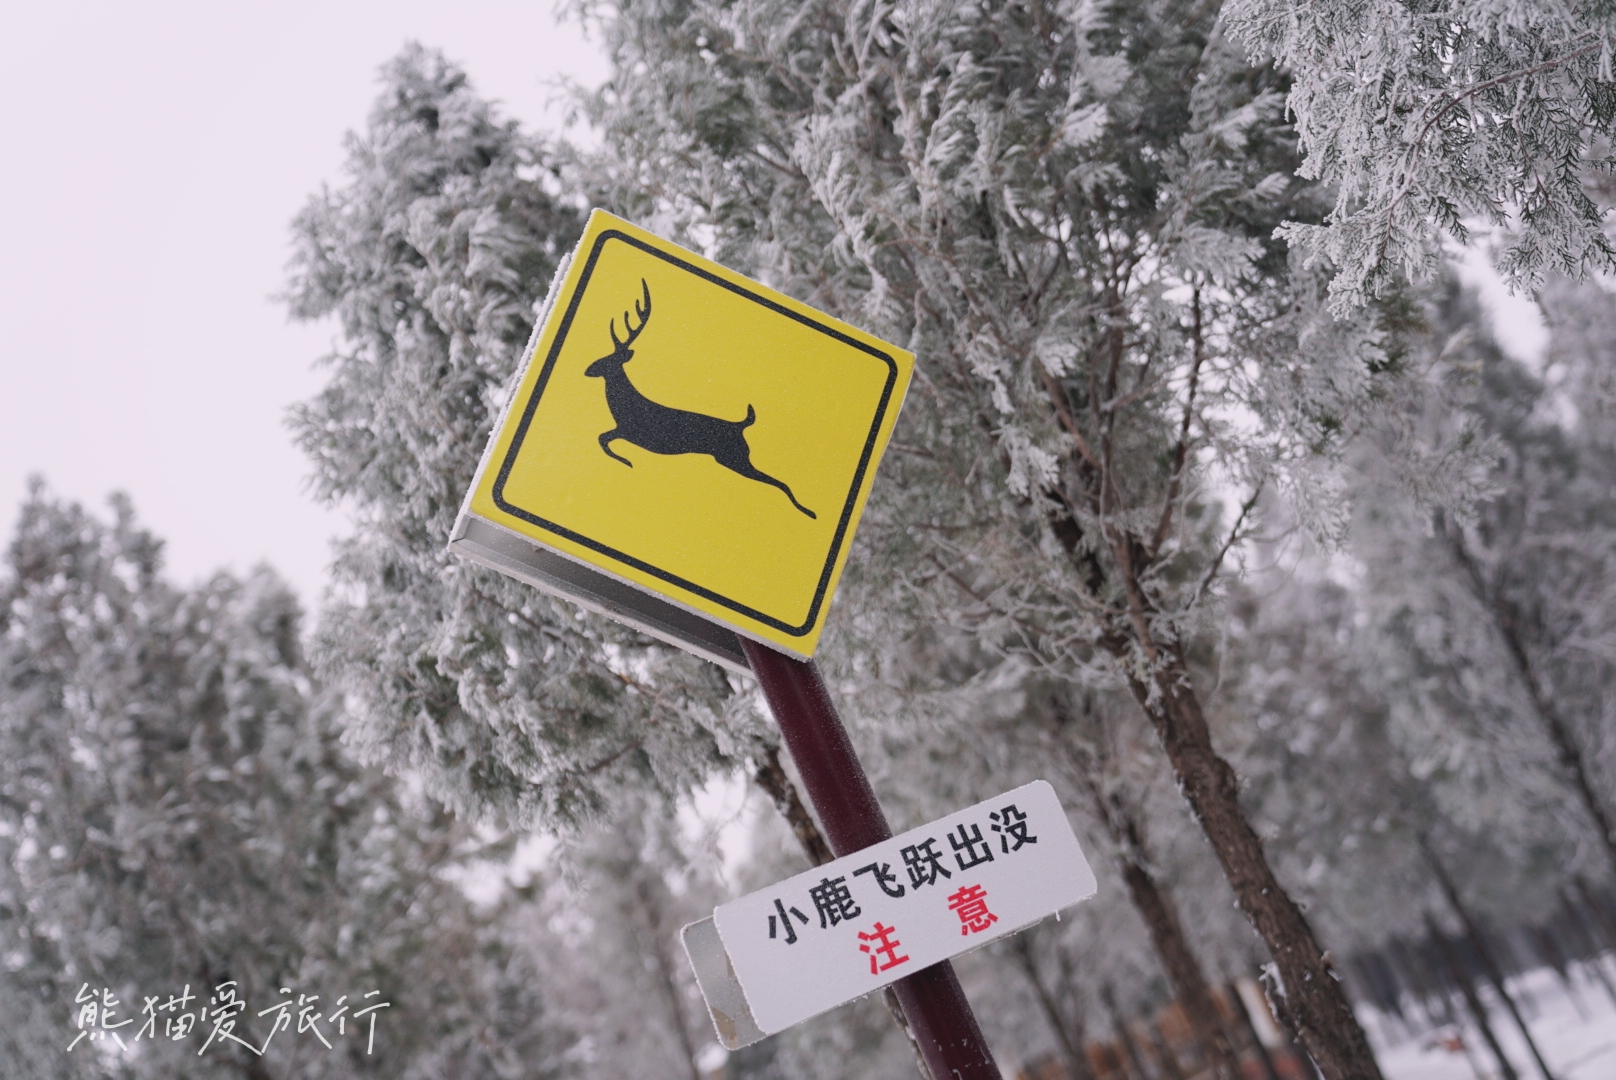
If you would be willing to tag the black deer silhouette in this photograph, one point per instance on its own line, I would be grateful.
(661, 430)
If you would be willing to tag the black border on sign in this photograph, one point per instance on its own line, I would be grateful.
(673, 579)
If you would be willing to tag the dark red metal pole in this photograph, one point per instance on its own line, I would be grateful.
(932, 999)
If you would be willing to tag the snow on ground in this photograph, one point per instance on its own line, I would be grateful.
(1576, 1031)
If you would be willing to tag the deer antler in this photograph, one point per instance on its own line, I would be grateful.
(644, 314)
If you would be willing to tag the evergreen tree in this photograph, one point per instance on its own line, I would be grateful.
(945, 724)
(1428, 118)
(1500, 622)
(1099, 760)
(1304, 710)
(1067, 213)
(612, 905)
(176, 810)
(434, 258)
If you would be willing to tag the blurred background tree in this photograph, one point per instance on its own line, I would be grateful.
(1354, 573)
(176, 810)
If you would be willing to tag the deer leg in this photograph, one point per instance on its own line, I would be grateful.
(605, 444)
(750, 471)
(792, 497)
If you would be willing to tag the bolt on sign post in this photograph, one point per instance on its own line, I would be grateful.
(688, 451)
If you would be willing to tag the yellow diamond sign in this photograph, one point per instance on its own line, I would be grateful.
(693, 434)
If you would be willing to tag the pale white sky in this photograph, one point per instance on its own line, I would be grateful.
(154, 156)
(1517, 321)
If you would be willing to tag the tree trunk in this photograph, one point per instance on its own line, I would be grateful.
(666, 975)
(1115, 1063)
(1567, 751)
(1414, 974)
(1310, 999)
(1595, 962)
(1128, 1044)
(1263, 1056)
(675, 1001)
(1478, 1011)
(1448, 1017)
(1135, 1065)
(1375, 973)
(1068, 1032)
(1155, 905)
(1597, 910)
(252, 1068)
(1489, 964)
(1163, 1051)
(1547, 946)
(771, 776)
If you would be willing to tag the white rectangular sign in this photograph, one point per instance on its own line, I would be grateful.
(854, 925)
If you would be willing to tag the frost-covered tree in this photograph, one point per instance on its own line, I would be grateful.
(1108, 765)
(1302, 700)
(946, 724)
(1395, 827)
(432, 258)
(1429, 118)
(1441, 677)
(1067, 212)
(176, 809)
(611, 907)
(1501, 624)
